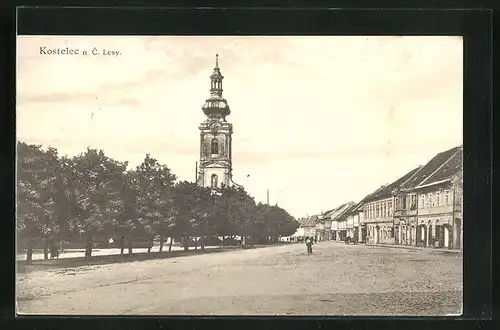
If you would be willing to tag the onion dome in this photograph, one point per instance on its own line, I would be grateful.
(216, 106)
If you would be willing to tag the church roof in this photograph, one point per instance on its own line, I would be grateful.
(216, 105)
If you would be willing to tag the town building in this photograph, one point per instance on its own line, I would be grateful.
(353, 218)
(216, 132)
(324, 226)
(306, 228)
(338, 226)
(378, 212)
(428, 205)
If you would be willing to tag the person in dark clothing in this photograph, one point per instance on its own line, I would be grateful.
(315, 239)
(309, 243)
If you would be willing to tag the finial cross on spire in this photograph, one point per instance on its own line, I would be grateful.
(216, 61)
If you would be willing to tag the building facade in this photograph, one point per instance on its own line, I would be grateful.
(378, 210)
(306, 228)
(353, 223)
(429, 204)
(336, 222)
(216, 132)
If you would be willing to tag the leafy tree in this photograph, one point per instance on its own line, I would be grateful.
(237, 212)
(272, 222)
(36, 203)
(99, 183)
(193, 211)
(153, 183)
(92, 194)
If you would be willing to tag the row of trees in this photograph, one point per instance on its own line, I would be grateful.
(92, 196)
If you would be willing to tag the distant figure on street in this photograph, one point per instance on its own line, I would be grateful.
(315, 239)
(309, 244)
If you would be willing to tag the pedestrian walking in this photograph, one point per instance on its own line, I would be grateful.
(309, 243)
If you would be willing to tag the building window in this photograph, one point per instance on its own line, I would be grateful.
(429, 200)
(446, 197)
(397, 204)
(214, 180)
(437, 198)
(413, 203)
(215, 146)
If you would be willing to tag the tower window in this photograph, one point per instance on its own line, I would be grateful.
(214, 180)
(215, 146)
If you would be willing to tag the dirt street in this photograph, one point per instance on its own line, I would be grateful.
(337, 279)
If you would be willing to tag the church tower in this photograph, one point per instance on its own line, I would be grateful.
(215, 137)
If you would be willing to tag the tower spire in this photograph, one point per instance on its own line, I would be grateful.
(216, 106)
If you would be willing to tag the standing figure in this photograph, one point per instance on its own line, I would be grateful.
(309, 244)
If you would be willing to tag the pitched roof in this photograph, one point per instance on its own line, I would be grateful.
(451, 167)
(386, 191)
(350, 210)
(339, 211)
(334, 211)
(324, 214)
(437, 167)
(310, 222)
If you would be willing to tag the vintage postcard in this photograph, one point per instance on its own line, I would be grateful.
(239, 175)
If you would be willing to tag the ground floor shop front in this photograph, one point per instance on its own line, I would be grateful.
(437, 231)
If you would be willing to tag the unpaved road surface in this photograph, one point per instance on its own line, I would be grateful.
(337, 280)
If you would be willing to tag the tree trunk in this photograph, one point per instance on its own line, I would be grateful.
(161, 243)
(150, 244)
(88, 248)
(46, 249)
(122, 245)
(196, 243)
(185, 242)
(202, 245)
(29, 251)
(130, 246)
(170, 244)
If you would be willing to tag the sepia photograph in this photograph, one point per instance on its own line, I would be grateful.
(239, 175)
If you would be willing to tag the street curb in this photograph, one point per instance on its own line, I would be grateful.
(416, 248)
(65, 263)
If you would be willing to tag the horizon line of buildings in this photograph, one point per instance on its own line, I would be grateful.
(421, 208)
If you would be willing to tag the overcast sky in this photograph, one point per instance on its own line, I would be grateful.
(318, 121)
